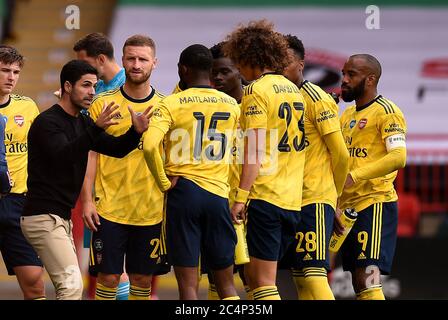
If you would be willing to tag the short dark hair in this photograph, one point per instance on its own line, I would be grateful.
(372, 63)
(296, 45)
(139, 40)
(95, 44)
(10, 55)
(73, 70)
(197, 57)
(216, 51)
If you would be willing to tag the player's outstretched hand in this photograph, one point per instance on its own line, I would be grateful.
(105, 119)
(140, 121)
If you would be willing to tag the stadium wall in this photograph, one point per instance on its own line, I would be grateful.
(409, 44)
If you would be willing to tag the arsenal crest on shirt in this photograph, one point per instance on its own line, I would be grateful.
(19, 120)
(362, 123)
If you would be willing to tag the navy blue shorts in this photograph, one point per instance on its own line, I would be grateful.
(270, 230)
(310, 248)
(198, 221)
(372, 239)
(113, 242)
(14, 247)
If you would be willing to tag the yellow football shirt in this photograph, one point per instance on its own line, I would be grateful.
(321, 118)
(199, 124)
(364, 133)
(125, 190)
(274, 103)
(19, 113)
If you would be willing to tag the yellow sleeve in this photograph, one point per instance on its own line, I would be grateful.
(237, 118)
(391, 124)
(35, 110)
(151, 151)
(159, 125)
(254, 113)
(339, 158)
(161, 117)
(388, 125)
(394, 160)
(326, 118)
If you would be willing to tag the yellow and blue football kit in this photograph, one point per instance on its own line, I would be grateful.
(367, 130)
(126, 196)
(274, 104)
(19, 113)
(198, 127)
(322, 169)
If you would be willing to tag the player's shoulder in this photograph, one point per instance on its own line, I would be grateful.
(106, 94)
(22, 99)
(229, 101)
(172, 97)
(24, 104)
(387, 106)
(159, 95)
(314, 92)
(169, 102)
(256, 86)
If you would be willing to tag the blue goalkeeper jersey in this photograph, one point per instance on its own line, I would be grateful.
(116, 82)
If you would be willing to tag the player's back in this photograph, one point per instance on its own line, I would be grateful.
(199, 141)
(321, 118)
(274, 103)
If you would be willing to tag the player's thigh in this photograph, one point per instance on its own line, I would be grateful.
(372, 240)
(264, 230)
(15, 248)
(313, 236)
(108, 247)
(183, 233)
(218, 233)
(290, 220)
(143, 249)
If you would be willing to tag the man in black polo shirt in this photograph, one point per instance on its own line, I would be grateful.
(58, 144)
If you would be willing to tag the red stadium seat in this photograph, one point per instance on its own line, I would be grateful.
(408, 214)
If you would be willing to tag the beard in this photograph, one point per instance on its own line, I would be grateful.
(355, 93)
(81, 103)
(141, 78)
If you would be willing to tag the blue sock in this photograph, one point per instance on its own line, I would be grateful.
(123, 291)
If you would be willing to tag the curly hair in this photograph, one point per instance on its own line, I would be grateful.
(257, 45)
